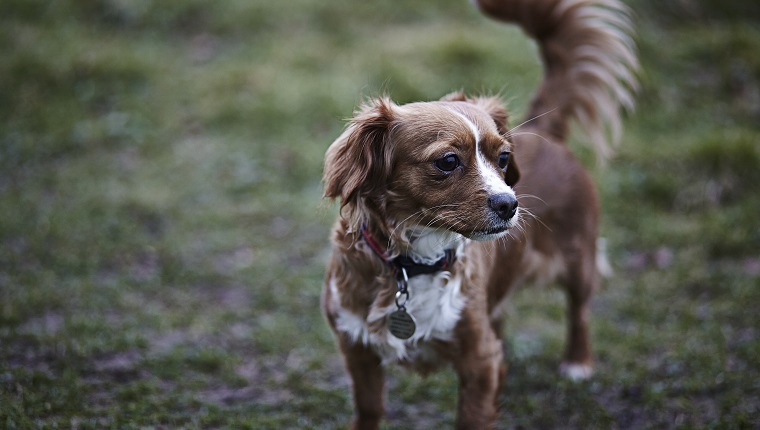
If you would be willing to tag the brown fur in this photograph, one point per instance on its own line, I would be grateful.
(382, 168)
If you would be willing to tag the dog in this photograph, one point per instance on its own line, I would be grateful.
(445, 210)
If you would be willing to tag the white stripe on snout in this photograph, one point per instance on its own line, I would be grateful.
(492, 178)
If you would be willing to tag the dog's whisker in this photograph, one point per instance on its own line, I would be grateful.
(402, 224)
(510, 134)
(530, 133)
(405, 224)
(533, 216)
(530, 196)
(453, 219)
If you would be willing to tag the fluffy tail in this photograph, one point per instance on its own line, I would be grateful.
(590, 61)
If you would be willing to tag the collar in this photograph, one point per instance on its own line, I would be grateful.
(404, 263)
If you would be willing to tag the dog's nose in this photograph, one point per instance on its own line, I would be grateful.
(505, 205)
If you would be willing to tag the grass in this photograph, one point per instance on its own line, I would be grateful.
(162, 237)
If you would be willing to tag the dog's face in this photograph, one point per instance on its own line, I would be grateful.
(441, 164)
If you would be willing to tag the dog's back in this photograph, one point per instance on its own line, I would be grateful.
(590, 65)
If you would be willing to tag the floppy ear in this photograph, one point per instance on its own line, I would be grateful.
(359, 161)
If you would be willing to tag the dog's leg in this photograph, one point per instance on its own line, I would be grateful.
(497, 325)
(580, 285)
(481, 370)
(367, 376)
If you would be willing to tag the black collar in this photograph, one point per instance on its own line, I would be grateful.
(406, 263)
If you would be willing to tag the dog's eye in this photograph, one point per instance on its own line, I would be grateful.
(503, 160)
(448, 163)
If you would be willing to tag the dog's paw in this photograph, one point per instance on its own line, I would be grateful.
(576, 371)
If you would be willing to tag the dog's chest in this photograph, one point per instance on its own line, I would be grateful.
(435, 303)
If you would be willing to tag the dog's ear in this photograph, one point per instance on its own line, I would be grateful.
(456, 96)
(492, 105)
(495, 108)
(359, 161)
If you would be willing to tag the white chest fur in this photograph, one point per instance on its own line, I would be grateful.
(435, 302)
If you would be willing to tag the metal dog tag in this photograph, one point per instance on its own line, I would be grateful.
(401, 324)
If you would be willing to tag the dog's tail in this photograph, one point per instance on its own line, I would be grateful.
(590, 61)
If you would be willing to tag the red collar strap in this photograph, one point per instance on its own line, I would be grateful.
(405, 262)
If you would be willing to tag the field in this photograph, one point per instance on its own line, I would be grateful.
(163, 236)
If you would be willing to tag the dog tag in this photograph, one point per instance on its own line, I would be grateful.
(401, 324)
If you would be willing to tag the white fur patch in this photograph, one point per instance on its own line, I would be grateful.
(603, 265)
(575, 371)
(492, 178)
(346, 321)
(435, 302)
(430, 244)
(473, 127)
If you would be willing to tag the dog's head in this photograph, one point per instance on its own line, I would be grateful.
(444, 164)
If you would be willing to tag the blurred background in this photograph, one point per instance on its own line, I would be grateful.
(163, 237)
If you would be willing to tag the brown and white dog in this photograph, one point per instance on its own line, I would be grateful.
(422, 255)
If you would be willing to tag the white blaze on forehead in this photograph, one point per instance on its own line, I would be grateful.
(470, 124)
(492, 177)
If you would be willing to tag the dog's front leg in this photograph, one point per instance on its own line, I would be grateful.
(367, 376)
(481, 369)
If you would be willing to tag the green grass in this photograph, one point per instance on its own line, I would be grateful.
(162, 237)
